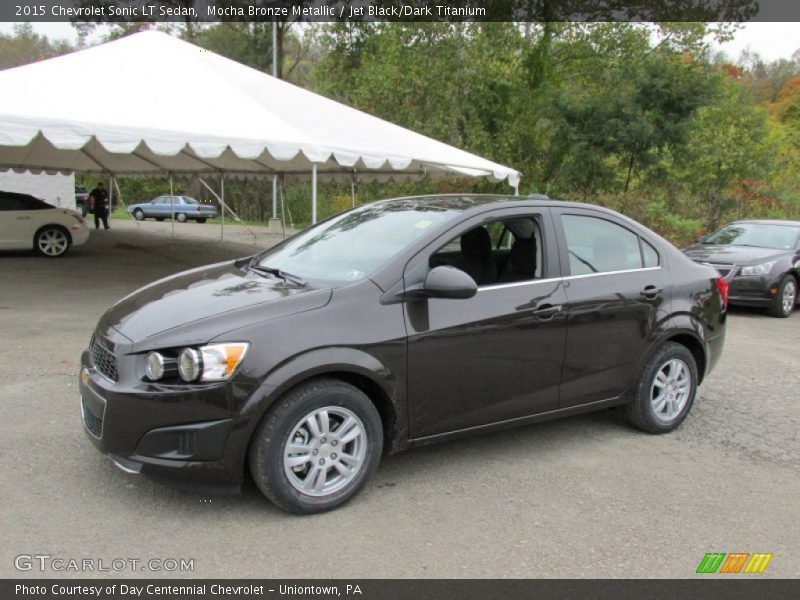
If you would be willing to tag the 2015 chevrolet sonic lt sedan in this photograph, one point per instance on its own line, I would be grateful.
(397, 324)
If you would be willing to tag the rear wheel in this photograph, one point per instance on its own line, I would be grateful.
(785, 299)
(138, 214)
(51, 241)
(180, 217)
(665, 391)
(316, 447)
(201, 219)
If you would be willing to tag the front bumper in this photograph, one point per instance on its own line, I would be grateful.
(79, 235)
(191, 439)
(752, 290)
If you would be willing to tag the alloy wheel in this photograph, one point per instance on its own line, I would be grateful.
(325, 451)
(670, 389)
(789, 297)
(52, 242)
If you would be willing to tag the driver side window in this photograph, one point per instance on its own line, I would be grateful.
(502, 251)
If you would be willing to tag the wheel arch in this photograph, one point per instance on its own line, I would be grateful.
(356, 367)
(695, 346)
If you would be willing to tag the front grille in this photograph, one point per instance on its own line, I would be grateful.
(725, 269)
(104, 361)
(92, 422)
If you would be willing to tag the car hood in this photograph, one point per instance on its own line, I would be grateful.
(196, 306)
(738, 255)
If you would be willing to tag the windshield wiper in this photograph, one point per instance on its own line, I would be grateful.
(278, 273)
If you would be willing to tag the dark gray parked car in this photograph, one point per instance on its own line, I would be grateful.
(760, 260)
(184, 208)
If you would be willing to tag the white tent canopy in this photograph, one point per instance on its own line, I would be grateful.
(150, 103)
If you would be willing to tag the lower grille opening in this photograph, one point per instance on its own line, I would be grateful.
(92, 422)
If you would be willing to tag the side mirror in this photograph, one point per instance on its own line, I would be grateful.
(449, 282)
(700, 240)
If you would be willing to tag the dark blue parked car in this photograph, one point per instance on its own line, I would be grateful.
(164, 207)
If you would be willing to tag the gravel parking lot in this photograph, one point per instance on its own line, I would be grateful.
(583, 497)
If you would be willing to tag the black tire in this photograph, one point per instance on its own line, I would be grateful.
(201, 219)
(641, 412)
(51, 241)
(138, 214)
(159, 218)
(270, 441)
(180, 217)
(780, 308)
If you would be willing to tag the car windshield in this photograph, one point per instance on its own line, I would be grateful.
(762, 235)
(355, 244)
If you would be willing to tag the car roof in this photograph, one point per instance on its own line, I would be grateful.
(468, 202)
(768, 222)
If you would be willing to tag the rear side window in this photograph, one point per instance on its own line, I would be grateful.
(649, 255)
(599, 246)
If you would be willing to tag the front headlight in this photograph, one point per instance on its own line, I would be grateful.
(215, 362)
(220, 360)
(189, 364)
(762, 269)
(154, 366)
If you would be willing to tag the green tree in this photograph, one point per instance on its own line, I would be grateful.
(25, 46)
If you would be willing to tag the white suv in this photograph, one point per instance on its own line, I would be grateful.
(27, 223)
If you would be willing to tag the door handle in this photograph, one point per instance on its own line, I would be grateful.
(651, 291)
(23, 218)
(547, 311)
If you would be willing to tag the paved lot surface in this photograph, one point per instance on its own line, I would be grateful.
(583, 497)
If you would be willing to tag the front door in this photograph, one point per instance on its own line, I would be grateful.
(495, 356)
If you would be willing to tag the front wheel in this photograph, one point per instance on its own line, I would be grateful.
(665, 391)
(316, 448)
(180, 217)
(785, 299)
(51, 242)
(138, 214)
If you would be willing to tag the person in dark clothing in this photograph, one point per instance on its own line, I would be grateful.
(99, 200)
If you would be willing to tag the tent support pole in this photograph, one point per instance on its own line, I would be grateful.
(274, 196)
(110, 192)
(283, 207)
(172, 205)
(222, 195)
(314, 193)
(119, 193)
(353, 189)
(516, 189)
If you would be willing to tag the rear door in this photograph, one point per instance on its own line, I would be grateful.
(617, 286)
(493, 357)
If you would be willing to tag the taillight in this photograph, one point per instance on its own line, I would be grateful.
(722, 288)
